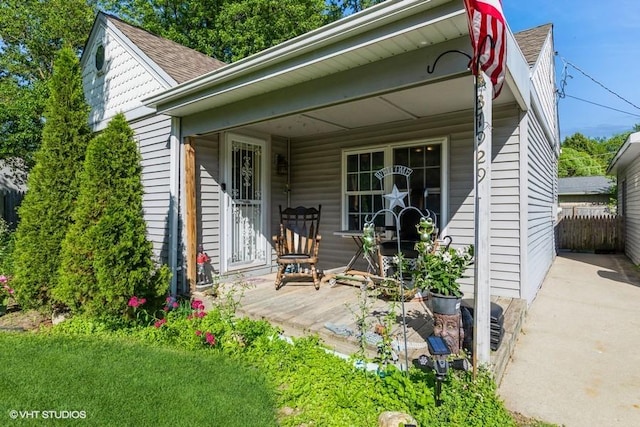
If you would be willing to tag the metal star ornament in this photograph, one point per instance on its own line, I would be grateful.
(396, 197)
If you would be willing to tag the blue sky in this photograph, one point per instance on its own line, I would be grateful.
(602, 38)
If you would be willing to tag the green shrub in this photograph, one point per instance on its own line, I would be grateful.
(106, 257)
(45, 213)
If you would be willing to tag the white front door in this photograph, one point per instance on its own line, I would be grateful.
(245, 220)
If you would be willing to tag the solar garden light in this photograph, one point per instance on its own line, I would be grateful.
(439, 362)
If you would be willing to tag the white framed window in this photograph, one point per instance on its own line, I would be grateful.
(363, 192)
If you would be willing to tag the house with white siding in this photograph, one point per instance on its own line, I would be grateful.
(309, 121)
(626, 167)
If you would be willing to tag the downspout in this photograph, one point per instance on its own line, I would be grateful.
(174, 198)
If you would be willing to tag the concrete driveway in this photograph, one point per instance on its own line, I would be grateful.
(577, 359)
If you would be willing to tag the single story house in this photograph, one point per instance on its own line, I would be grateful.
(585, 195)
(626, 167)
(309, 121)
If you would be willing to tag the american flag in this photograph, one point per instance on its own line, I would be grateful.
(487, 29)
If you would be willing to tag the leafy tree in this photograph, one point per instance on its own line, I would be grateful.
(251, 26)
(45, 213)
(578, 163)
(106, 257)
(31, 32)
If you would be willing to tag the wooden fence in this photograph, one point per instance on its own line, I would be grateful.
(591, 233)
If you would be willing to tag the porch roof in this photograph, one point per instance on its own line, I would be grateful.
(374, 41)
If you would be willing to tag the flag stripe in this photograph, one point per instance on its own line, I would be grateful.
(487, 30)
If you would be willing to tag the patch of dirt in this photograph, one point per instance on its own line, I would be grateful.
(16, 320)
(524, 421)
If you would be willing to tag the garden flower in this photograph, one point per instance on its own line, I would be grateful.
(135, 302)
(210, 338)
(160, 322)
(5, 291)
(198, 332)
(196, 304)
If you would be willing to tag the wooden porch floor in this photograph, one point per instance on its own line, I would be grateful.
(298, 309)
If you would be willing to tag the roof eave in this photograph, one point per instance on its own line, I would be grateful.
(626, 153)
(375, 16)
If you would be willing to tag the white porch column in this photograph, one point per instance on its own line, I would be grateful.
(482, 284)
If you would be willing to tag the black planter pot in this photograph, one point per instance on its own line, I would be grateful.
(444, 304)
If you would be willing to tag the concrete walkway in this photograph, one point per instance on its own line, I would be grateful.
(577, 359)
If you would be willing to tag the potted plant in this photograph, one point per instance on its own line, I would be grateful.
(439, 269)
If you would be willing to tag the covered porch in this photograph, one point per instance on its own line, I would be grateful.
(315, 117)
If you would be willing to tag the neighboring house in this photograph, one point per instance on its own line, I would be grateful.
(309, 121)
(626, 167)
(585, 195)
(12, 189)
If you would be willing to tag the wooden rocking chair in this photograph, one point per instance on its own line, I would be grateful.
(297, 244)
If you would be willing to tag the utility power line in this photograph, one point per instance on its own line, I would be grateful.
(563, 83)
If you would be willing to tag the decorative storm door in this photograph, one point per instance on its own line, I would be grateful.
(245, 214)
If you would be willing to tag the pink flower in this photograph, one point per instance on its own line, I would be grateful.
(196, 304)
(165, 308)
(135, 302)
(201, 314)
(169, 299)
(175, 304)
(198, 333)
(160, 322)
(210, 338)
(3, 279)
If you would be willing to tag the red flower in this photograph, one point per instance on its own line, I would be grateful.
(160, 322)
(195, 304)
(133, 302)
(210, 338)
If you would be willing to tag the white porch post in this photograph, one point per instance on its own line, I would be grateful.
(482, 285)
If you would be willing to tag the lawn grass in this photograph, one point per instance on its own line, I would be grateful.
(120, 383)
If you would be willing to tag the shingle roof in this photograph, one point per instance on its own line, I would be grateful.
(531, 41)
(180, 62)
(585, 185)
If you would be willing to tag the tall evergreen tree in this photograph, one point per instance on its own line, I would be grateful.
(106, 256)
(45, 213)
(31, 32)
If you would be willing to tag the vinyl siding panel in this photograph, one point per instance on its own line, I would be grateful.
(152, 135)
(122, 82)
(632, 215)
(544, 78)
(208, 203)
(541, 187)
